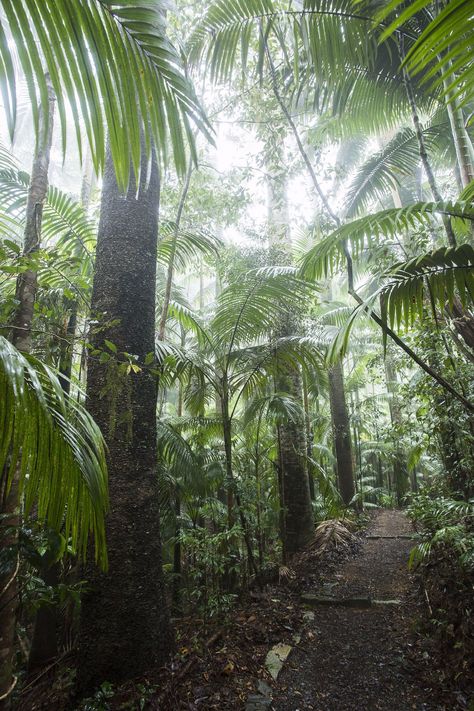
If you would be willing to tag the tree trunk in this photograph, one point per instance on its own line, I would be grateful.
(125, 627)
(27, 282)
(26, 289)
(177, 571)
(170, 270)
(400, 468)
(299, 524)
(67, 343)
(44, 644)
(461, 139)
(309, 438)
(341, 433)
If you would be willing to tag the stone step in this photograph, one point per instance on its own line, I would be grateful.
(402, 536)
(358, 602)
(323, 600)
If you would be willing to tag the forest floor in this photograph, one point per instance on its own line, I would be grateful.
(342, 658)
(362, 659)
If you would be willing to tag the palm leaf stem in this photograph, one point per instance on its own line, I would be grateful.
(170, 270)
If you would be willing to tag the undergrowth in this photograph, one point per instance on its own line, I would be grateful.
(444, 559)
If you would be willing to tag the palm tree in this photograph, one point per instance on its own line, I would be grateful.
(298, 524)
(235, 357)
(352, 72)
(52, 456)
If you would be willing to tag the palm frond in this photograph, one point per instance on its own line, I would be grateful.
(327, 33)
(439, 276)
(111, 62)
(329, 255)
(250, 306)
(186, 246)
(58, 447)
(444, 51)
(382, 171)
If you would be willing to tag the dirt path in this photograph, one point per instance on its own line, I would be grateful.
(356, 659)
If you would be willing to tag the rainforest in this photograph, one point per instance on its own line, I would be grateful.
(237, 355)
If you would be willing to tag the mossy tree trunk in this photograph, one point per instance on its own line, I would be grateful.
(125, 627)
(298, 524)
(341, 433)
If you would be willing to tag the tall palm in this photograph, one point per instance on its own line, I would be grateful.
(235, 355)
(124, 624)
(293, 467)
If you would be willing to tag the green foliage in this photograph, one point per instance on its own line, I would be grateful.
(87, 47)
(445, 48)
(186, 246)
(383, 171)
(214, 557)
(444, 524)
(365, 233)
(440, 276)
(57, 447)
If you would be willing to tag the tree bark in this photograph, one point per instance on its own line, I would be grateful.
(170, 270)
(26, 289)
(400, 468)
(27, 282)
(125, 627)
(342, 433)
(298, 524)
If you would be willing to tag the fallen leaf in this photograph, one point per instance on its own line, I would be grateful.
(229, 668)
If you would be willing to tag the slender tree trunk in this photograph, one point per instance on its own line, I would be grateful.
(400, 468)
(309, 438)
(170, 270)
(125, 626)
(461, 138)
(44, 644)
(299, 523)
(177, 570)
(67, 344)
(232, 492)
(292, 441)
(342, 433)
(26, 289)
(422, 146)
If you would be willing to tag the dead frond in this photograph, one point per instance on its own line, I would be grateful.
(333, 533)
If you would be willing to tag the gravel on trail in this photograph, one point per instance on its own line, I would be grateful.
(359, 659)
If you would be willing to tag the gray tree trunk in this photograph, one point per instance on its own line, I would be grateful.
(341, 433)
(26, 288)
(400, 467)
(298, 524)
(125, 627)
